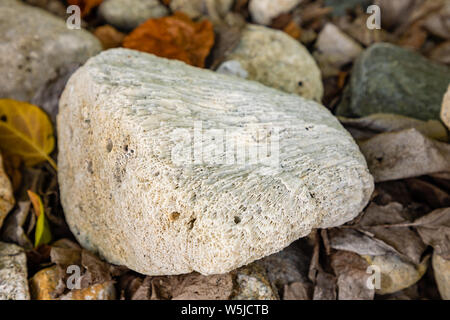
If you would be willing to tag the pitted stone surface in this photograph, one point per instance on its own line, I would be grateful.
(126, 194)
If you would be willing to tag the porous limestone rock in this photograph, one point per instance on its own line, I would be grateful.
(6, 193)
(264, 11)
(128, 14)
(445, 111)
(146, 182)
(13, 273)
(38, 53)
(277, 60)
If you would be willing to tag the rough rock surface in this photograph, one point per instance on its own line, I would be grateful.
(264, 11)
(13, 273)
(128, 14)
(99, 291)
(390, 79)
(445, 111)
(38, 53)
(277, 60)
(334, 50)
(6, 194)
(441, 269)
(125, 118)
(196, 8)
(252, 283)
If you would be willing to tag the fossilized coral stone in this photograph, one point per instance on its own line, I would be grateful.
(145, 180)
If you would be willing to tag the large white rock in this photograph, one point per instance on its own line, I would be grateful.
(125, 119)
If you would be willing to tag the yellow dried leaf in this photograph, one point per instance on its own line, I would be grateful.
(42, 234)
(26, 131)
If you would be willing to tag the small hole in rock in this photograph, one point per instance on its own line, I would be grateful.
(174, 216)
(4, 118)
(125, 148)
(300, 83)
(191, 224)
(109, 146)
(237, 220)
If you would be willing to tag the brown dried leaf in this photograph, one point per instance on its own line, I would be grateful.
(325, 288)
(367, 127)
(429, 193)
(297, 291)
(198, 287)
(85, 5)
(109, 36)
(434, 229)
(352, 277)
(97, 271)
(13, 227)
(376, 219)
(355, 241)
(404, 154)
(174, 37)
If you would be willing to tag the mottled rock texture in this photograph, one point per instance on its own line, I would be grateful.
(13, 273)
(277, 60)
(6, 193)
(38, 53)
(125, 114)
(128, 14)
(390, 79)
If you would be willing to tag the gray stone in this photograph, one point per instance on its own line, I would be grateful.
(335, 49)
(128, 14)
(390, 79)
(133, 189)
(214, 9)
(277, 60)
(13, 273)
(38, 53)
(264, 11)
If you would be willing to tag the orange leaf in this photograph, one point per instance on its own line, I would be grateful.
(174, 37)
(85, 5)
(36, 202)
